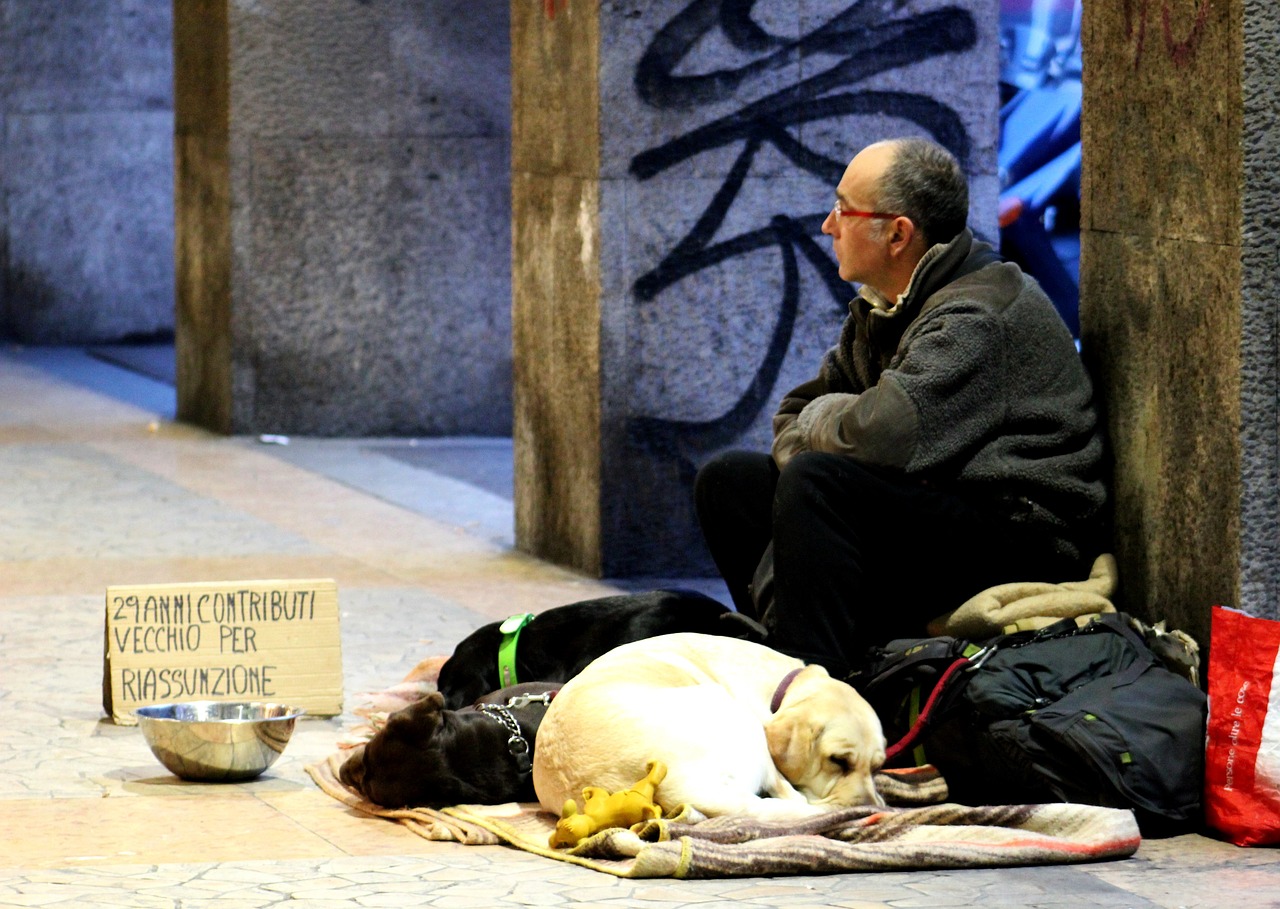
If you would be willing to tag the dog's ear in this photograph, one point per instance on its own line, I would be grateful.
(793, 731)
(419, 720)
(429, 707)
(432, 702)
(791, 742)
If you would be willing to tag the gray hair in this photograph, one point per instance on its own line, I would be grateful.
(925, 182)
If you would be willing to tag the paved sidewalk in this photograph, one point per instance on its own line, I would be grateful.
(99, 487)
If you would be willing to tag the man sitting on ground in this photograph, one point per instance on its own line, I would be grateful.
(950, 441)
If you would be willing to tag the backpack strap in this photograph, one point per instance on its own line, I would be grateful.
(946, 684)
(926, 715)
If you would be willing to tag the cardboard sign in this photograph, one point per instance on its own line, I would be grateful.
(272, 641)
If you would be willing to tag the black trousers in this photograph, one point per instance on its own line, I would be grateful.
(861, 556)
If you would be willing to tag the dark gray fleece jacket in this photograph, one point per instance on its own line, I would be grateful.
(971, 384)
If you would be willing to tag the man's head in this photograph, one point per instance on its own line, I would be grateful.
(895, 201)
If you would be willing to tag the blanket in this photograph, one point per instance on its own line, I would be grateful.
(1031, 605)
(916, 833)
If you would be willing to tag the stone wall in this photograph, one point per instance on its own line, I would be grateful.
(344, 216)
(86, 170)
(1178, 265)
(673, 162)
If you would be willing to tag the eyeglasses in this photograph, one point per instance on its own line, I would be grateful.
(856, 213)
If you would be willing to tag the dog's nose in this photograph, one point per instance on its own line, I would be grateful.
(352, 771)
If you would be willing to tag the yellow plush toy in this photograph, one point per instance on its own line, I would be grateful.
(602, 809)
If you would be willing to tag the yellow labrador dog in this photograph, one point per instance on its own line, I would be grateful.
(743, 730)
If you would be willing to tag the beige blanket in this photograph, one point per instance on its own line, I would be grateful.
(1031, 605)
(915, 834)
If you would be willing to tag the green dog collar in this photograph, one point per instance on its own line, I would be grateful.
(510, 629)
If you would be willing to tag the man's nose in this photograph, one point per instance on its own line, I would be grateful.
(828, 224)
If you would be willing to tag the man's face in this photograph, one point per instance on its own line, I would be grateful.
(859, 242)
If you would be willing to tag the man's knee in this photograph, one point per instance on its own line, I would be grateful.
(712, 474)
(731, 474)
(814, 473)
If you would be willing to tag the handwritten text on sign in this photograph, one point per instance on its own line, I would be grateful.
(253, 640)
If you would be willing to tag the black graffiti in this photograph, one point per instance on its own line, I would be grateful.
(867, 41)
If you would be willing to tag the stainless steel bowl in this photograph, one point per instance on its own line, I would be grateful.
(217, 741)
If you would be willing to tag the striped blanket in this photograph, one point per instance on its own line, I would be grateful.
(918, 832)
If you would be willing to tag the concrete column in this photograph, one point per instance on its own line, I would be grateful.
(672, 163)
(1178, 267)
(86, 170)
(342, 211)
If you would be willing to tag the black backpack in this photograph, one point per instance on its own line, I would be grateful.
(1086, 715)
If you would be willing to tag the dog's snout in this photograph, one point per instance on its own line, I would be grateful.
(351, 773)
(874, 797)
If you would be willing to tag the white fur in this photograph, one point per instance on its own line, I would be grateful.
(701, 705)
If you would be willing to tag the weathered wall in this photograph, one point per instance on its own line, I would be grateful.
(1179, 240)
(556, 273)
(86, 170)
(202, 189)
(674, 161)
(354, 276)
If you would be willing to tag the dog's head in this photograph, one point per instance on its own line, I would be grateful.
(472, 670)
(385, 769)
(827, 741)
(428, 756)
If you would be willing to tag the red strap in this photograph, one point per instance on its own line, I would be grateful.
(917, 728)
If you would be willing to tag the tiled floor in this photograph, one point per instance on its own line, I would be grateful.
(97, 491)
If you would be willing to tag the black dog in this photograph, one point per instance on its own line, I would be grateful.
(429, 756)
(557, 644)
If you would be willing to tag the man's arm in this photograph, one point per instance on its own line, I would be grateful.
(879, 426)
(952, 368)
(791, 433)
(788, 439)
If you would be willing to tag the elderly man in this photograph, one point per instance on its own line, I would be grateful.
(949, 442)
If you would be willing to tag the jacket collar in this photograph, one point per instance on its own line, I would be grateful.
(933, 271)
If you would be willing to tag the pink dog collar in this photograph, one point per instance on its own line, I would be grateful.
(781, 692)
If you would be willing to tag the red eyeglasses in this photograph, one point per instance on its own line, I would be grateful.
(856, 213)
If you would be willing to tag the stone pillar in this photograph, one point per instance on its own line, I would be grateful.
(672, 163)
(86, 170)
(342, 216)
(1178, 268)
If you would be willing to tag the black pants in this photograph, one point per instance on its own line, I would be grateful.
(860, 556)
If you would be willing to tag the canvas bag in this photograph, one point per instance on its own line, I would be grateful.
(1242, 748)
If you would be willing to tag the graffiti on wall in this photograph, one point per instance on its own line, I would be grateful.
(864, 40)
(1181, 31)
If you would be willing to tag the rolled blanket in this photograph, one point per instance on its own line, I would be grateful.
(1030, 605)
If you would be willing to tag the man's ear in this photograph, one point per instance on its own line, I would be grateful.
(902, 231)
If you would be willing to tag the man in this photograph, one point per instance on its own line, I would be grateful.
(949, 442)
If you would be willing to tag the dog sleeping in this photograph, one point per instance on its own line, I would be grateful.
(556, 644)
(442, 751)
(743, 730)
(429, 756)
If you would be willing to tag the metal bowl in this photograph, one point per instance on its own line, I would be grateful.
(217, 741)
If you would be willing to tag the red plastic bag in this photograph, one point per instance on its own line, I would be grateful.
(1242, 756)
